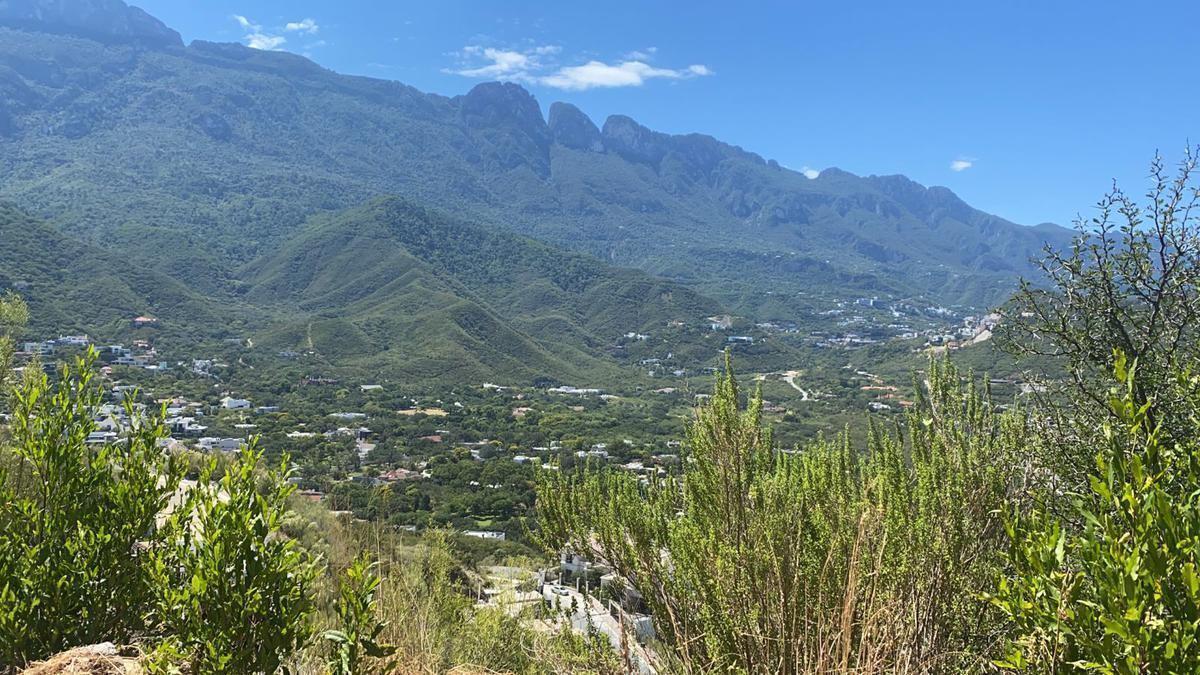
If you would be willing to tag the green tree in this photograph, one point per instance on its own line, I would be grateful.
(1130, 283)
(762, 561)
(1113, 584)
(71, 518)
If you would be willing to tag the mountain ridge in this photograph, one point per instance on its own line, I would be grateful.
(97, 19)
(400, 275)
(203, 162)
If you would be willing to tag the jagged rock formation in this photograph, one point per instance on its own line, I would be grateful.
(106, 20)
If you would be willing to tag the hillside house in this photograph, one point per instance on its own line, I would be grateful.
(485, 534)
(209, 444)
(185, 426)
(230, 403)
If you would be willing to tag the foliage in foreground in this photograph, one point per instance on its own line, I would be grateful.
(230, 594)
(84, 558)
(106, 542)
(357, 637)
(434, 627)
(13, 317)
(1129, 284)
(1114, 586)
(71, 516)
(819, 560)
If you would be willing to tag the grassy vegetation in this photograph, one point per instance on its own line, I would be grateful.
(826, 559)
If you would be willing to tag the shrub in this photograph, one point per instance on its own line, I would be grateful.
(758, 560)
(356, 641)
(71, 516)
(1129, 282)
(231, 593)
(1114, 586)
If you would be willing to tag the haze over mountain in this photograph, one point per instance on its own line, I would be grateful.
(206, 162)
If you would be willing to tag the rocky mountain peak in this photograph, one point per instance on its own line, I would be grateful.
(104, 20)
(633, 141)
(507, 122)
(503, 104)
(571, 128)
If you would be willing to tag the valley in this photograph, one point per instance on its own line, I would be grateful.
(304, 370)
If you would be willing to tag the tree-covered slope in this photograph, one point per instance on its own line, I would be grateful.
(225, 150)
(431, 296)
(74, 286)
(387, 288)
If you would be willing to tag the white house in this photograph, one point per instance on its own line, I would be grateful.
(223, 444)
(485, 534)
(230, 403)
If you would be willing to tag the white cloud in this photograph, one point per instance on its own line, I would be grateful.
(306, 26)
(961, 164)
(809, 172)
(536, 66)
(255, 38)
(503, 62)
(624, 74)
(263, 41)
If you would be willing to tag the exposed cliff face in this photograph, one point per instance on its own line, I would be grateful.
(105, 20)
(572, 129)
(633, 141)
(510, 122)
(280, 137)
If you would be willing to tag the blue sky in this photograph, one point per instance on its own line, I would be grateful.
(1026, 109)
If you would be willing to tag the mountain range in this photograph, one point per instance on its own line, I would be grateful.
(258, 181)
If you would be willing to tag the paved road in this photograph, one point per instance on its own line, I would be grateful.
(590, 614)
(790, 377)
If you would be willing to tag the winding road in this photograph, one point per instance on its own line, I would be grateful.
(790, 377)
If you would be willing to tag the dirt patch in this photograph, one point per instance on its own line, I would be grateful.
(101, 659)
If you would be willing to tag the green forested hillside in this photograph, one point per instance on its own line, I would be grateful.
(74, 286)
(436, 297)
(388, 287)
(220, 152)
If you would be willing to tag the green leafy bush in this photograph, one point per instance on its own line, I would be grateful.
(231, 593)
(71, 517)
(1114, 586)
(356, 641)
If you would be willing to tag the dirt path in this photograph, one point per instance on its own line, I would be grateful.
(790, 377)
